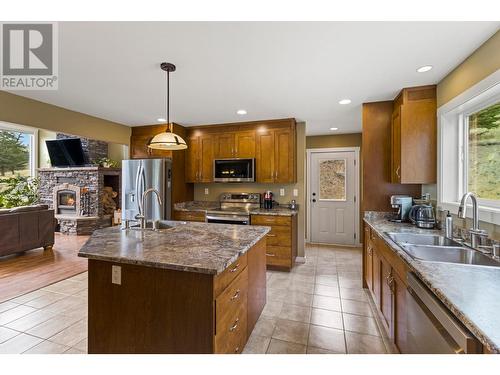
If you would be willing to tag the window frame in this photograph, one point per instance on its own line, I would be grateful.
(453, 148)
(33, 161)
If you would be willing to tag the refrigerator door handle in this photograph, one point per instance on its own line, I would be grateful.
(138, 181)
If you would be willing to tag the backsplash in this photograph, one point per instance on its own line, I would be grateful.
(216, 189)
(461, 226)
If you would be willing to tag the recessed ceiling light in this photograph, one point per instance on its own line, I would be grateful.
(334, 128)
(161, 120)
(424, 68)
(241, 112)
(345, 101)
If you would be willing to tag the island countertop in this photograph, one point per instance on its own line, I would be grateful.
(187, 246)
(471, 293)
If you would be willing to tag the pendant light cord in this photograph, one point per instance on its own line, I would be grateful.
(168, 101)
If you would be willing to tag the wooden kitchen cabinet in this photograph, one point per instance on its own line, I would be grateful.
(239, 145)
(388, 288)
(224, 146)
(386, 293)
(281, 240)
(414, 136)
(198, 216)
(368, 260)
(272, 143)
(199, 159)
(400, 311)
(275, 156)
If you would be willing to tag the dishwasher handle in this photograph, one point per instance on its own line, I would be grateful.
(466, 341)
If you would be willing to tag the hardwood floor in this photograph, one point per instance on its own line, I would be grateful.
(37, 268)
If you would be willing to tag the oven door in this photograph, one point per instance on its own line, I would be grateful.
(234, 170)
(228, 219)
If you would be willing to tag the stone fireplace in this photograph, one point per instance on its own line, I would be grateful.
(81, 197)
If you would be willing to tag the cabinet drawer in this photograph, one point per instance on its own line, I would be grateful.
(231, 332)
(271, 220)
(223, 280)
(279, 256)
(279, 236)
(189, 216)
(231, 299)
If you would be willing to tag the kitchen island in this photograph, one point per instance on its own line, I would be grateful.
(187, 288)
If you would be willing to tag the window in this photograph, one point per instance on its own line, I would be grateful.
(469, 149)
(17, 152)
(483, 148)
(332, 180)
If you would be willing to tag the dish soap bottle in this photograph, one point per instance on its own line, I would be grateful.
(448, 226)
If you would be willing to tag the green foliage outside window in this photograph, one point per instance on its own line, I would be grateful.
(484, 153)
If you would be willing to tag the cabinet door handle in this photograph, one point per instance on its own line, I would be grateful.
(270, 235)
(270, 255)
(235, 268)
(237, 349)
(397, 171)
(235, 325)
(236, 295)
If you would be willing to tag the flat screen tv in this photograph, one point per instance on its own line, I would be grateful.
(66, 153)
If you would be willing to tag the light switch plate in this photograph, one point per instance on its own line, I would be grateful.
(282, 192)
(295, 192)
(206, 191)
(116, 275)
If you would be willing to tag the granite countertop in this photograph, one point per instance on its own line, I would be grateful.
(471, 293)
(204, 206)
(187, 246)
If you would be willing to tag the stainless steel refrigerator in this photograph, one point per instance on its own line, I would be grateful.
(139, 175)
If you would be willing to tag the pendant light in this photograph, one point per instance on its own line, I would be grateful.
(167, 140)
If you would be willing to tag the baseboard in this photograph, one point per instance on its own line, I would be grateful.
(300, 259)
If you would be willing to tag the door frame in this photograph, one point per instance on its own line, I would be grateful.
(309, 153)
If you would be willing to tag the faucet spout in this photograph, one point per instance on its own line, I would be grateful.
(142, 210)
(462, 210)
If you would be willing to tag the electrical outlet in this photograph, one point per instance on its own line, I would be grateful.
(206, 191)
(282, 192)
(295, 192)
(116, 275)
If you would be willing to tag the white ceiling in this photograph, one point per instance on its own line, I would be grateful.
(273, 70)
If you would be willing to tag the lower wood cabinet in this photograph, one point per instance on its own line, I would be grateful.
(189, 216)
(281, 240)
(385, 276)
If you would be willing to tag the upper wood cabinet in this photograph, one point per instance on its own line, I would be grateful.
(414, 136)
(199, 158)
(139, 148)
(272, 143)
(276, 156)
(234, 145)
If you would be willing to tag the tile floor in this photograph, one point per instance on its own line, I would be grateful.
(319, 307)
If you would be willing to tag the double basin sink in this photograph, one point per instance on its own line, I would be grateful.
(436, 248)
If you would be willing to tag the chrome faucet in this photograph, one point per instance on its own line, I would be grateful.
(476, 234)
(142, 207)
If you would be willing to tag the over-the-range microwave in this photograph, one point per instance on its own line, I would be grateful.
(234, 170)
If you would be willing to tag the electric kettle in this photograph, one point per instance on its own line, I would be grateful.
(422, 215)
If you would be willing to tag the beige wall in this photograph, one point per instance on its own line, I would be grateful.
(333, 141)
(480, 64)
(215, 189)
(23, 111)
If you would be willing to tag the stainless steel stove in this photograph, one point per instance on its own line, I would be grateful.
(234, 208)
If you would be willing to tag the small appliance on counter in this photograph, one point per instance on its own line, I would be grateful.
(422, 215)
(268, 200)
(293, 205)
(403, 204)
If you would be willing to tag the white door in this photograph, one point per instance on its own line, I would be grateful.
(332, 197)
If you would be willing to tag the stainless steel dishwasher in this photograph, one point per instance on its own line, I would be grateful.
(432, 329)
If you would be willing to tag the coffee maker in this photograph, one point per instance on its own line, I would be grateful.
(268, 200)
(403, 204)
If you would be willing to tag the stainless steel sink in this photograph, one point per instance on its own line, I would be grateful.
(449, 254)
(421, 239)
